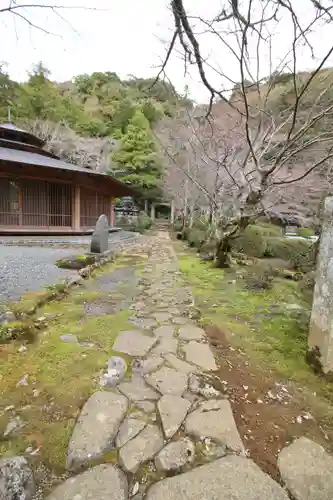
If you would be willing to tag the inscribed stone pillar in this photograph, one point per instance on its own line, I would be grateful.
(172, 212)
(152, 212)
(320, 339)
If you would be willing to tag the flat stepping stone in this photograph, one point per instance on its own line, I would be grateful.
(96, 427)
(164, 331)
(142, 448)
(165, 345)
(128, 430)
(307, 470)
(145, 323)
(147, 365)
(146, 406)
(191, 332)
(175, 455)
(134, 343)
(172, 410)
(168, 381)
(179, 364)
(232, 477)
(201, 355)
(138, 390)
(179, 320)
(161, 317)
(103, 482)
(214, 419)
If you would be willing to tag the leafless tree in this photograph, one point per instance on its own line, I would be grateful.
(277, 117)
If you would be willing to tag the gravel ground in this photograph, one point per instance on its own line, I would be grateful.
(28, 268)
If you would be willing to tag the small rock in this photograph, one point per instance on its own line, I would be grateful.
(23, 381)
(307, 470)
(103, 482)
(135, 489)
(68, 337)
(116, 370)
(175, 455)
(128, 430)
(197, 385)
(22, 348)
(16, 479)
(7, 317)
(9, 408)
(14, 425)
(142, 448)
(299, 419)
(168, 381)
(172, 410)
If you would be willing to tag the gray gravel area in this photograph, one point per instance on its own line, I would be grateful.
(27, 269)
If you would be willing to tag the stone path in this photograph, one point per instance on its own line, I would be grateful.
(164, 432)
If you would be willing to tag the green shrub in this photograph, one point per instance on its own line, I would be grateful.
(299, 252)
(143, 223)
(177, 226)
(200, 223)
(269, 229)
(195, 237)
(305, 232)
(251, 242)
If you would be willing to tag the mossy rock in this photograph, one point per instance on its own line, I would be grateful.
(15, 330)
(78, 261)
(305, 232)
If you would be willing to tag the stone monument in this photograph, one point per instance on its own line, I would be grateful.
(320, 342)
(100, 237)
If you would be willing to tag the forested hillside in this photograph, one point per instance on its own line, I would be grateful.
(97, 121)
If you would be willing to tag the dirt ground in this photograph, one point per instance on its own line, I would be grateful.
(269, 412)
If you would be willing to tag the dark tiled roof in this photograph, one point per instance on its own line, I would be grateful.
(31, 138)
(28, 158)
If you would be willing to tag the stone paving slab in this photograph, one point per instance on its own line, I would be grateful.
(201, 355)
(134, 343)
(175, 455)
(179, 364)
(172, 411)
(307, 470)
(142, 448)
(137, 390)
(168, 381)
(103, 482)
(229, 478)
(191, 332)
(214, 419)
(96, 427)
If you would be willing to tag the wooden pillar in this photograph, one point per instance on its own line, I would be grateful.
(146, 206)
(76, 212)
(20, 205)
(112, 213)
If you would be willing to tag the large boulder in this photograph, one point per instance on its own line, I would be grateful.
(16, 479)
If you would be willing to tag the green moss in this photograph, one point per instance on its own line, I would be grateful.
(305, 232)
(252, 242)
(300, 253)
(61, 376)
(17, 330)
(260, 321)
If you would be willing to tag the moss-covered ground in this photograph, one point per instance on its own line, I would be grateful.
(48, 383)
(271, 325)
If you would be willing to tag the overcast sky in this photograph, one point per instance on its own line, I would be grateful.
(126, 37)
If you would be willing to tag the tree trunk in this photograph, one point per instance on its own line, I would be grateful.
(223, 250)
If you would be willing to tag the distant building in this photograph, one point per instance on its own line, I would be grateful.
(39, 193)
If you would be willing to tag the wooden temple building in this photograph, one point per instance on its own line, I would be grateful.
(39, 193)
